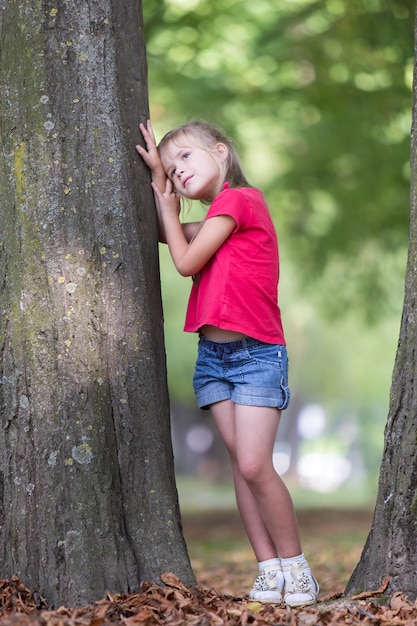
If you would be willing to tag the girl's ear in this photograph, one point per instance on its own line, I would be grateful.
(222, 151)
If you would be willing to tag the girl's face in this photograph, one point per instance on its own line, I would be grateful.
(195, 172)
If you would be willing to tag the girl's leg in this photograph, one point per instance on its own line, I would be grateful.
(262, 498)
(262, 544)
(256, 429)
(264, 502)
(255, 436)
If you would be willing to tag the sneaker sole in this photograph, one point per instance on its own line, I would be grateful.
(267, 599)
(299, 603)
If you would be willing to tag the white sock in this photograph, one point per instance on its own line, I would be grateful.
(294, 559)
(269, 563)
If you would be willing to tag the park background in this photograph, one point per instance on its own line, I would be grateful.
(317, 98)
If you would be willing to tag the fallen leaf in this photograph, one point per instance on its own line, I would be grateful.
(254, 606)
(400, 601)
(377, 592)
(172, 580)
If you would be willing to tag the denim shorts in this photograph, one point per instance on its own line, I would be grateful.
(247, 371)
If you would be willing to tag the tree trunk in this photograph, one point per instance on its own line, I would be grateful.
(88, 501)
(391, 547)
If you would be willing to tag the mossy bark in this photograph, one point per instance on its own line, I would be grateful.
(391, 547)
(88, 501)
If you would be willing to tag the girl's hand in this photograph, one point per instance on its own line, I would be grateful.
(190, 254)
(167, 201)
(151, 155)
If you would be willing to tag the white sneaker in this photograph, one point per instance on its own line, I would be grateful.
(301, 588)
(268, 586)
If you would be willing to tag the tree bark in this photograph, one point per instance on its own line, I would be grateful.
(88, 501)
(391, 547)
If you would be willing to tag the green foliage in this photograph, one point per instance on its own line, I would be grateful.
(317, 95)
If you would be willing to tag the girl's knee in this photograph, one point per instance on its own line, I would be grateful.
(253, 471)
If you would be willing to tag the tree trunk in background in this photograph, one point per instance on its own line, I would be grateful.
(88, 501)
(391, 547)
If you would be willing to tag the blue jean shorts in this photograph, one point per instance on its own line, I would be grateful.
(247, 371)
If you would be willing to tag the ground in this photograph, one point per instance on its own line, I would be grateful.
(222, 558)
(225, 568)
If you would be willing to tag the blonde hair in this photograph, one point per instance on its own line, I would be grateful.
(207, 136)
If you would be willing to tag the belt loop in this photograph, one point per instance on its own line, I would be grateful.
(222, 352)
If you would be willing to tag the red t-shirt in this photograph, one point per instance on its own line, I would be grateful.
(238, 287)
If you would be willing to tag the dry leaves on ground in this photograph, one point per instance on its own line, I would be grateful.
(176, 605)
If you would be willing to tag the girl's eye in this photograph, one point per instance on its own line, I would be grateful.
(185, 155)
(172, 174)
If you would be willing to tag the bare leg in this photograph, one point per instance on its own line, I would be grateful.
(263, 500)
(262, 544)
(265, 504)
(258, 535)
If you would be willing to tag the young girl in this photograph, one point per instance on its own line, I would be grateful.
(241, 369)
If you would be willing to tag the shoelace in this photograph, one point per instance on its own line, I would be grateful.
(265, 581)
(302, 581)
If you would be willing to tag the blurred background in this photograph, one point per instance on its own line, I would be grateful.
(317, 97)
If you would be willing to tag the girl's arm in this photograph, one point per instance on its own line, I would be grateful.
(190, 229)
(152, 159)
(189, 256)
